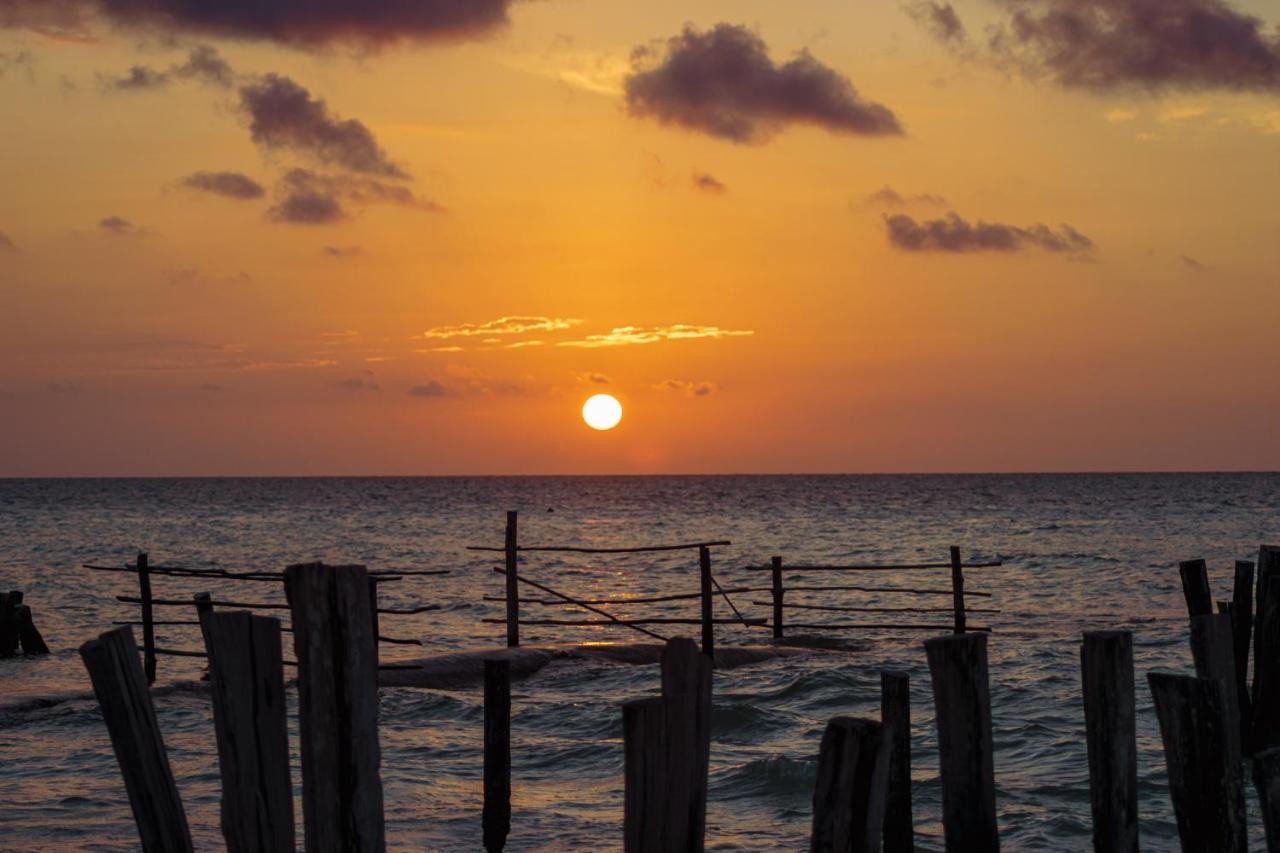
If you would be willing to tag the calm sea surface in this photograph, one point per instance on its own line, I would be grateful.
(1080, 552)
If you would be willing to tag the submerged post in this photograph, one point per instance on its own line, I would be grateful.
(962, 705)
(708, 626)
(895, 714)
(496, 817)
(513, 585)
(148, 620)
(957, 589)
(1195, 587)
(777, 597)
(849, 794)
(1266, 779)
(1106, 674)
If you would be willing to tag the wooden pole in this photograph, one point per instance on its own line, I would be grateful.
(121, 688)
(895, 714)
(1106, 674)
(1265, 712)
(1195, 587)
(511, 550)
(1208, 798)
(643, 738)
(246, 686)
(1212, 649)
(1242, 628)
(777, 597)
(148, 620)
(1266, 779)
(496, 818)
(373, 615)
(849, 794)
(337, 707)
(29, 636)
(686, 688)
(962, 705)
(957, 589)
(708, 626)
(8, 627)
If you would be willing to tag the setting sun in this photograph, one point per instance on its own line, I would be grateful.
(602, 411)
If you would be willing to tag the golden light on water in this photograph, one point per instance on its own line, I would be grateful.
(602, 411)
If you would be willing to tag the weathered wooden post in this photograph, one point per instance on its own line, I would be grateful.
(28, 635)
(1212, 649)
(849, 794)
(1204, 784)
(246, 686)
(1195, 587)
(496, 817)
(895, 714)
(777, 597)
(512, 552)
(148, 619)
(643, 811)
(1242, 621)
(1106, 674)
(204, 606)
(373, 616)
(962, 705)
(708, 626)
(8, 627)
(957, 589)
(1266, 780)
(121, 688)
(1265, 715)
(337, 707)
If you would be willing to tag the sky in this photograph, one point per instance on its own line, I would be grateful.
(411, 237)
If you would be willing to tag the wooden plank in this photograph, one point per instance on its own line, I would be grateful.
(1265, 706)
(895, 714)
(512, 559)
(644, 549)
(686, 687)
(631, 623)
(246, 688)
(1266, 780)
(644, 813)
(778, 591)
(1213, 650)
(148, 620)
(496, 816)
(898, 567)
(1242, 629)
(708, 626)
(962, 705)
(838, 608)
(957, 590)
(1208, 798)
(1195, 587)
(337, 707)
(1106, 674)
(121, 688)
(850, 792)
(585, 606)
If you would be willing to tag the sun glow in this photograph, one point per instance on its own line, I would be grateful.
(602, 411)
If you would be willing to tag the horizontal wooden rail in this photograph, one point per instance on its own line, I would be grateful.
(190, 653)
(843, 609)
(642, 600)
(629, 622)
(689, 546)
(260, 605)
(590, 607)
(878, 626)
(798, 567)
(226, 574)
(898, 589)
(399, 641)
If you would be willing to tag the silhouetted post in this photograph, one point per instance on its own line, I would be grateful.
(204, 606)
(1242, 618)
(1212, 649)
(777, 598)
(373, 616)
(708, 626)
(121, 688)
(1106, 674)
(148, 620)
(1195, 587)
(686, 689)
(28, 635)
(1266, 779)
(1266, 675)
(337, 707)
(643, 813)
(849, 794)
(1204, 784)
(957, 589)
(962, 705)
(496, 818)
(895, 714)
(8, 626)
(246, 686)
(513, 585)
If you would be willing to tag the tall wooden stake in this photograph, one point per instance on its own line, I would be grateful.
(708, 626)
(513, 585)
(849, 794)
(148, 620)
(777, 597)
(1212, 648)
(1106, 673)
(1266, 780)
(957, 589)
(1195, 587)
(895, 714)
(496, 818)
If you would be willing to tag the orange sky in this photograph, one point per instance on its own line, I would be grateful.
(753, 296)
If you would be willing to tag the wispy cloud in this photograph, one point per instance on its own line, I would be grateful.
(118, 226)
(708, 183)
(7, 246)
(227, 184)
(956, 235)
(635, 335)
(887, 196)
(457, 381)
(518, 325)
(688, 387)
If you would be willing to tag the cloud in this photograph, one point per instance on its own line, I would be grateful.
(954, 234)
(138, 78)
(284, 115)
(1191, 263)
(707, 183)
(633, 335)
(358, 384)
(343, 251)
(1106, 45)
(7, 246)
(593, 378)
(118, 226)
(302, 206)
(688, 387)
(501, 326)
(203, 64)
(23, 59)
(464, 382)
(310, 198)
(229, 184)
(722, 82)
(940, 19)
(887, 196)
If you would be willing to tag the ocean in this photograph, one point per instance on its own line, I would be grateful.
(1080, 552)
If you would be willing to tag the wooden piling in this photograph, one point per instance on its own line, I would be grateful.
(1266, 780)
(496, 817)
(29, 636)
(1106, 674)
(776, 566)
(708, 625)
(1212, 649)
(850, 791)
(686, 687)
(643, 812)
(121, 688)
(962, 705)
(337, 707)
(1265, 728)
(1242, 620)
(373, 616)
(246, 686)
(148, 620)
(512, 554)
(1195, 587)
(895, 714)
(8, 626)
(1206, 789)
(957, 589)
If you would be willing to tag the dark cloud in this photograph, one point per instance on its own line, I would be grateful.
(358, 384)
(306, 197)
(204, 64)
(887, 196)
(307, 207)
(283, 114)
(139, 78)
(939, 18)
(1104, 45)
(707, 183)
(229, 184)
(723, 83)
(7, 246)
(431, 388)
(343, 251)
(119, 226)
(953, 234)
(22, 59)
(688, 388)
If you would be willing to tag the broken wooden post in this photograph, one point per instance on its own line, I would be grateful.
(895, 714)
(28, 635)
(962, 705)
(496, 817)
(148, 620)
(246, 688)
(511, 552)
(849, 794)
(1266, 779)
(373, 616)
(708, 623)
(686, 687)
(1106, 674)
(8, 627)
(777, 597)
(1204, 784)
(1242, 621)
(337, 707)
(957, 590)
(1212, 649)
(1195, 587)
(121, 688)
(1265, 705)
(643, 812)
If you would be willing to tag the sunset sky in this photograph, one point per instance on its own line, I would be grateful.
(413, 236)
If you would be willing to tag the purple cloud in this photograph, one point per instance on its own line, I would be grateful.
(228, 184)
(953, 234)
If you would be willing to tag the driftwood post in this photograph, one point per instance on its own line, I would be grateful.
(148, 620)
(337, 707)
(1204, 784)
(1266, 779)
(957, 589)
(962, 704)
(373, 615)
(1195, 587)
(496, 817)
(246, 686)
(776, 566)
(1212, 649)
(895, 714)
(28, 634)
(511, 551)
(8, 627)
(1106, 673)
(121, 688)
(849, 794)
(1266, 674)
(643, 736)
(1242, 619)
(708, 625)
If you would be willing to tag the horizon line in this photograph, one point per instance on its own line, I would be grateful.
(1026, 473)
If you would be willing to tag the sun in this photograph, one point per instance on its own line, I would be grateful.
(602, 411)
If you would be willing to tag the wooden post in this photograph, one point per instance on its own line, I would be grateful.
(686, 688)
(121, 688)
(1242, 621)
(849, 794)
(1266, 779)
(1265, 712)
(1195, 587)
(373, 616)
(513, 585)
(148, 620)
(1212, 649)
(777, 598)
(962, 705)
(204, 607)
(28, 635)
(8, 626)
(1205, 786)
(895, 714)
(957, 589)
(337, 707)
(246, 686)
(643, 812)
(1106, 674)
(708, 626)
(496, 818)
